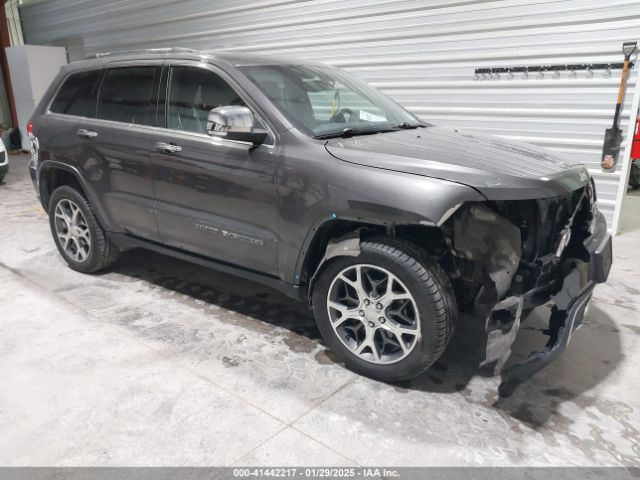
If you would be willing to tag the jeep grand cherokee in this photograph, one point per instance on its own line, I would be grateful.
(302, 177)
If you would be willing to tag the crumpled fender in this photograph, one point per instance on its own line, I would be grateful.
(491, 240)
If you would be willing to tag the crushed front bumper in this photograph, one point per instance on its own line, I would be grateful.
(570, 302)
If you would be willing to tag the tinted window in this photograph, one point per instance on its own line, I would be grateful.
(77, 96)
(127, 96)
(193, 92)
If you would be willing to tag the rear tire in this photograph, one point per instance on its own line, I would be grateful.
(389, 333)
(80, 239)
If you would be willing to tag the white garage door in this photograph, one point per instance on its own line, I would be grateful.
(422, 53)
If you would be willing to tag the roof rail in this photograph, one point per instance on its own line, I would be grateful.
(144, 50)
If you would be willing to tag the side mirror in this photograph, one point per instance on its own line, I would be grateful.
(234, 122)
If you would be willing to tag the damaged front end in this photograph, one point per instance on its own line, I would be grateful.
(512, 256)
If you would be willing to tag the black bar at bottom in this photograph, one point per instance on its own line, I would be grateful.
(395, 473)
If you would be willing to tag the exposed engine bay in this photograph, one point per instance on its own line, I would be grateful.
(512, 256)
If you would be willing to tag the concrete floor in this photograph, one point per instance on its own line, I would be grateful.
(159, 362)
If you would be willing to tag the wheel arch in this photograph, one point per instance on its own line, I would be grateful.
(335, 238)
(52, 175)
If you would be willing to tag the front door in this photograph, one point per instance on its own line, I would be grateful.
(214, 197)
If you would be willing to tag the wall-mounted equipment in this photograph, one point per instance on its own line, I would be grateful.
(613, 135)
(551, 68)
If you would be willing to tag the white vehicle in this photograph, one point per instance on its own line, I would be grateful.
(4, 161)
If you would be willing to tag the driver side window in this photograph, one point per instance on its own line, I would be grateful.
(193, 92)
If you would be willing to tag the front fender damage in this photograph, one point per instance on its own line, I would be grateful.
(492, 244)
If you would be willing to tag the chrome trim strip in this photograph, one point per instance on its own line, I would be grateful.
(154, 129)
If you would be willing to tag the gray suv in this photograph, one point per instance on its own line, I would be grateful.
(304, 178)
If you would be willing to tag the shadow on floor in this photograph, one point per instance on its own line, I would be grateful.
(226, 291)
(593, 353)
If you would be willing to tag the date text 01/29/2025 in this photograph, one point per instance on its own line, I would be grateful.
(310, 472)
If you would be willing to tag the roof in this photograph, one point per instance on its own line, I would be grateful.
(235, 59)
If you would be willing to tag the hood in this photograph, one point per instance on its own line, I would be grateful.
(497, 168)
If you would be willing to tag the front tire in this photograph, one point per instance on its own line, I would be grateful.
(80, 239)
(388, 313)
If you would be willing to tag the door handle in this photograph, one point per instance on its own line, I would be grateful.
(168, 147)
(83, 132)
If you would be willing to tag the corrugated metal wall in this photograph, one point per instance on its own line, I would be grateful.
(422, 53)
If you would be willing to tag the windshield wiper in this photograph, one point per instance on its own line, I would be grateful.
(350, 132)
(408, 126)
(344, 133)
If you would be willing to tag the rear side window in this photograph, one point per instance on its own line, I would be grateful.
(77, 96)
(126, 95)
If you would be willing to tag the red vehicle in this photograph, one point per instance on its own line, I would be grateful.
(635, 149)
(634, 175)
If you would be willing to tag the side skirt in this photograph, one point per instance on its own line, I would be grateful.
(127, 242)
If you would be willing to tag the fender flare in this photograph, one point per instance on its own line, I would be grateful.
(346, 246)
(47, 165)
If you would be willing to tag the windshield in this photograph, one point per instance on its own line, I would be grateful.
(323, 101)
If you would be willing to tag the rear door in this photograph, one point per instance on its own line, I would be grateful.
(116, 146)
(55, 129)
(214, 197)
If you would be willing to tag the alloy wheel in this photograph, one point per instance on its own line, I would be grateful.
(72, 230)
(373, 314)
